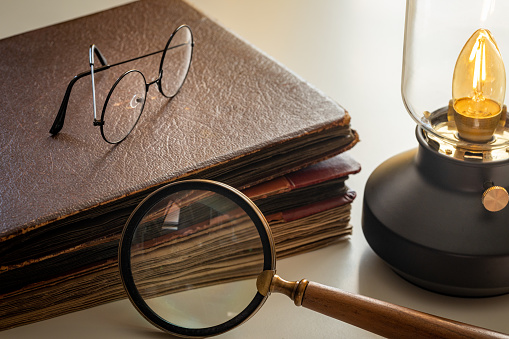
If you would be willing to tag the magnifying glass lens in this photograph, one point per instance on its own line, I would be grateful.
(193, 256)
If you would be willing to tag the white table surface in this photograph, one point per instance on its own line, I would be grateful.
(351, 50)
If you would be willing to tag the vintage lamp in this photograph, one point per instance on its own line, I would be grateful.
(438, 215)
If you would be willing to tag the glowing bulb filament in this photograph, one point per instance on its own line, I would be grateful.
(478, 55)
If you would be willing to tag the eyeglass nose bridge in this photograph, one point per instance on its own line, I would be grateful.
(156, 81)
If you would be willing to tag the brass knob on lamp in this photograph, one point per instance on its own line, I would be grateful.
(495, 198)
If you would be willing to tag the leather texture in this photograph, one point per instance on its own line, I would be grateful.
(236, 101)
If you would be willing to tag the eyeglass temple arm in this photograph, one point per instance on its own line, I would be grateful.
(99, 55)
(58, 123)
(94, 50)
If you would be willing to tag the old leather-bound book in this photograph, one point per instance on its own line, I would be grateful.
(315, 212)
(240, 118)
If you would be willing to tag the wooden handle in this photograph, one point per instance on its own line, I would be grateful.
(387, 319)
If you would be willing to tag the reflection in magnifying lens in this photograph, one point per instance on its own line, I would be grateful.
(194, 256)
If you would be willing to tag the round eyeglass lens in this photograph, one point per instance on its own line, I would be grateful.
(176, 61)
(123, 106)
(194, 257)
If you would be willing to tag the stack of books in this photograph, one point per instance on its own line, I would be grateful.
(240, 118)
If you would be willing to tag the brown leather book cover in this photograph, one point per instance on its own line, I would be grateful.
(240, 117)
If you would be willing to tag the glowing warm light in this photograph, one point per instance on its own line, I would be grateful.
(478, 55)
(478, 88)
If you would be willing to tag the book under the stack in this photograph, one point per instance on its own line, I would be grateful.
(240, 118)
(314, 212)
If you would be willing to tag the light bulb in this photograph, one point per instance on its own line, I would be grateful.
(478, 88)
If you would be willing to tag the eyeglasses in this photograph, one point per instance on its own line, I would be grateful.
(126, 99)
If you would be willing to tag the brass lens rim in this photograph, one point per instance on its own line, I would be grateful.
(125, 254)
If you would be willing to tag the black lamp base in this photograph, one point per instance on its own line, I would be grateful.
(423, 215)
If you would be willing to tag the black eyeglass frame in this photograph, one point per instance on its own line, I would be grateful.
(58, 123)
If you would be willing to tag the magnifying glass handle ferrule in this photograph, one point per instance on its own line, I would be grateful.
(268, 281)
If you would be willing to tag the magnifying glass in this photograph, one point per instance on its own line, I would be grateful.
(197, 259)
